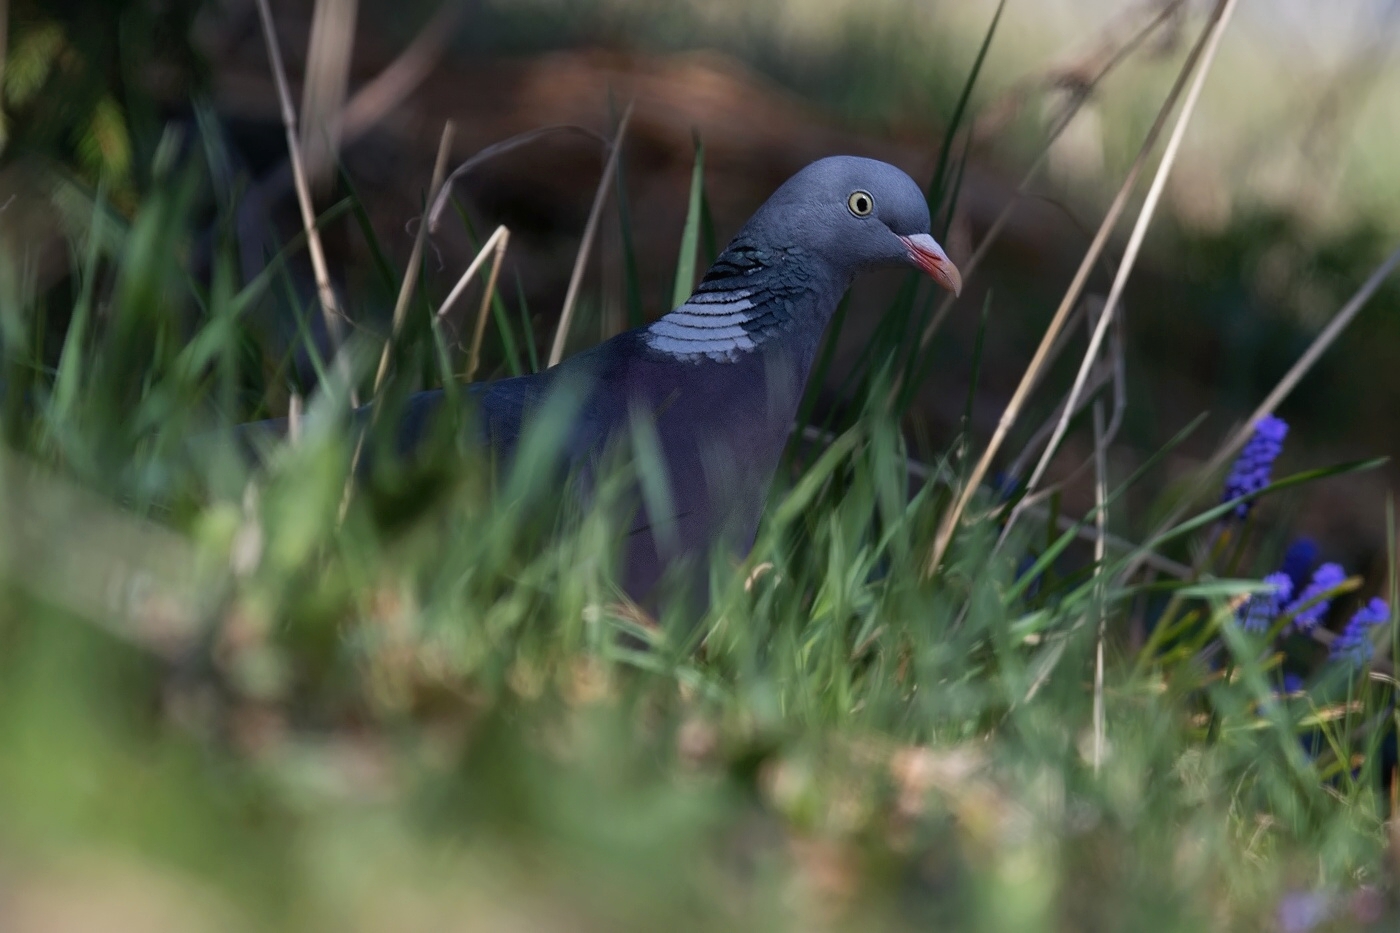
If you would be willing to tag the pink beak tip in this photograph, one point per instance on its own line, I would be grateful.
(930, 257)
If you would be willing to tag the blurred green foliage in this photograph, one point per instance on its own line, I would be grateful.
(78, 79)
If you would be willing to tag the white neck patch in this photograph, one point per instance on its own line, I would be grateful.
(710, 325)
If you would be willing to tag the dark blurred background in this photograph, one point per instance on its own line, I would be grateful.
(1286, 195)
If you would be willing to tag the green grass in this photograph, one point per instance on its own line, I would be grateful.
(229, 702)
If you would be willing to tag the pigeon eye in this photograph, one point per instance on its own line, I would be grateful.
(860, 203)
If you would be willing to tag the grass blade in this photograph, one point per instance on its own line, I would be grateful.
(631, 277)
(934, 193)
(527, 330)
(70, 362)
(690, 233)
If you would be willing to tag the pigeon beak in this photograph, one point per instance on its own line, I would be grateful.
(925, 253)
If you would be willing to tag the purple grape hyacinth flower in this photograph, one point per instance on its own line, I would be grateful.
(1354, 643)
(1298, 562)
(1255, 463)
(1328, 576)
(1263, 607)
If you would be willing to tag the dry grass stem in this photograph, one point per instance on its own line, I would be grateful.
(294, 418)
(383, 94)
(494, 247)
(474, 358)
(392, 86)
(556, 352)
(1113, 370)
(410, 276)
(492, 151)
(1101, 377)
(1130, 253)
(1083, 91)
(493, 243)
(1100, 553)
(1013, 409)
(1087, 310)
(308, 211)
(325, 84)
(1290, 380)
(1076, 78)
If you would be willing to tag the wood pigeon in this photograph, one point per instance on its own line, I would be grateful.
(720, 378)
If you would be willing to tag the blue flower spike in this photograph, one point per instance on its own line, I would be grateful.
(1263, 607)
(1353, 645)
(1298, 562)
(1328, 577)
(1255, 463)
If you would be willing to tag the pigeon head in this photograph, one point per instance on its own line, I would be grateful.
(785, 271)
(857, 214)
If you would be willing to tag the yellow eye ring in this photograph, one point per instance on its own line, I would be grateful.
(860, 203)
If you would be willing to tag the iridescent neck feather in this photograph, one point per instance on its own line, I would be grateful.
(746, 298)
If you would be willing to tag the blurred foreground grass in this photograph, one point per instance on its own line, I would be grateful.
(225, 705)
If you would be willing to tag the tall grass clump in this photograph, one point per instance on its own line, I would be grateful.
(329, 687)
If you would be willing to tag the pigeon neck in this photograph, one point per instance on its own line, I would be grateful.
(752, 295)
